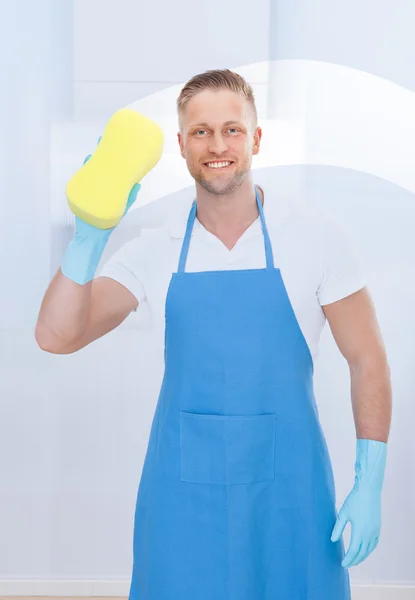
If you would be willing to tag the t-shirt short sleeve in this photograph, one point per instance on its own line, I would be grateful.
(341, 271)
(124, 267)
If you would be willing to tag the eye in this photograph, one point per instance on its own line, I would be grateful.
(199, 130)
(233, 129)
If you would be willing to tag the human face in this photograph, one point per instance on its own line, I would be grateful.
(218, 126)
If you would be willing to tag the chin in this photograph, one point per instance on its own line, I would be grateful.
(220, 186)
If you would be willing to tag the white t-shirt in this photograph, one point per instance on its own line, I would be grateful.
(317, 262)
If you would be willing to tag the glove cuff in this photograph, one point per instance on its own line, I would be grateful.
(370, 462)
(82, 257)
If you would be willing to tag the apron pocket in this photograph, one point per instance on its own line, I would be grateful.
(227, 450)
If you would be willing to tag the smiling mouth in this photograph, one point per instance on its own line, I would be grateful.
(219, 165)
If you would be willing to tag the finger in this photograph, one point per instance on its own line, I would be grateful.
(351, 555)
(133, 195)
(354, 549)
(361, 555)
(87, 158)
(373, 544)
(339, 526)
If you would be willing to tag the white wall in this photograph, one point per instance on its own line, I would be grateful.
(127, 50)
(73, 429)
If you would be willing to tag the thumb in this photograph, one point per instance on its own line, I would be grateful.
(133, 196)
(339, 526)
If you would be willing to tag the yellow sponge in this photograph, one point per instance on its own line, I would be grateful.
(130, 147)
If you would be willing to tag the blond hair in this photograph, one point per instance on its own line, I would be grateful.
(217, 79)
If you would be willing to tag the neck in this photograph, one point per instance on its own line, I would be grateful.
(228, 216)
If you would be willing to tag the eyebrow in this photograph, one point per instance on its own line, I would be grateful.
(207, 124)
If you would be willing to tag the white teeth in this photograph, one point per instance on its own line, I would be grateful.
(218, 165)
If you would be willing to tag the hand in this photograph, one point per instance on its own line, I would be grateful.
(85, 250)
(362, 507)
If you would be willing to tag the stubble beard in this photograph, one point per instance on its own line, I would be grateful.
(220, 188)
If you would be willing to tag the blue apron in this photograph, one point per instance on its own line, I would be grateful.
(236, 499)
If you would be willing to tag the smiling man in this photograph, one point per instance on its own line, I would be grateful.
(237, 499)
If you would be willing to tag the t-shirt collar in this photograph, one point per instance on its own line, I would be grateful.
(179, 222)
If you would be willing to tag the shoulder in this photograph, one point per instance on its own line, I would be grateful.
(290, 220)
(312, 247)
(165, 219)
(150, 230)
(289, 224)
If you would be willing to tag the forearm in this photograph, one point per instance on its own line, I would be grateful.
(65, 308)
(372, 397)
(63, 313)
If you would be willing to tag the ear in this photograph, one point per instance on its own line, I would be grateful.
(257, 140)
(181, 144)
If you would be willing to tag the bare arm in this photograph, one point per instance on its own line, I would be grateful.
(72, 316)
(355, 329)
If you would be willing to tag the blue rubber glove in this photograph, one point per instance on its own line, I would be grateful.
(363, 505)
(84, 252)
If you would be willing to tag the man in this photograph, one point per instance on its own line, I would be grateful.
(236, 499)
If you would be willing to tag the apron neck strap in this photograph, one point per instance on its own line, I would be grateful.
(189, 228)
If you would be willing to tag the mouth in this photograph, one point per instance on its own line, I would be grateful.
(219, 165)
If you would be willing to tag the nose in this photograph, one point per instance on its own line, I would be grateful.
(217, 144)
